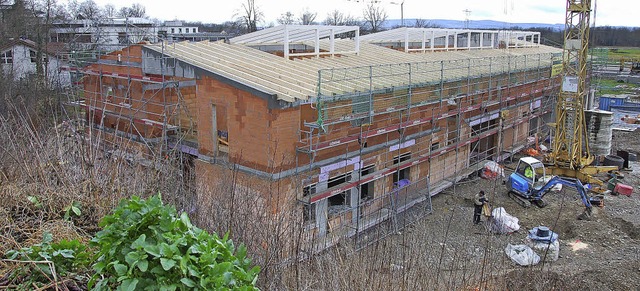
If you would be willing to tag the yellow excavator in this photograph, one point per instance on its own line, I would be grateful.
(570, 155)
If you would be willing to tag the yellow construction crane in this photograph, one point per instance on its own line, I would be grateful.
(570, 156)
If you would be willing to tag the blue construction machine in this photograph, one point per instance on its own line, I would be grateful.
(529, 184)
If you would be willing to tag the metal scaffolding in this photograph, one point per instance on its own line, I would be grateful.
(448, 112)
(129, 112)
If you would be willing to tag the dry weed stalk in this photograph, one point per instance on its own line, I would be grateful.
(59, 161)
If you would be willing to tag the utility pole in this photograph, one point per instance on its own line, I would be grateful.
(401, 11)
(467, 13)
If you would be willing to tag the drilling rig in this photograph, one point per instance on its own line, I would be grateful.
(570, 156)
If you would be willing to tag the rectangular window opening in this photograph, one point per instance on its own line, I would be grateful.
(366, 189)
(435, 146)
(7, 57)
(404, 173)
(340, 202)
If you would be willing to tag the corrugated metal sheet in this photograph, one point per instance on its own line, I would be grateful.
(606, 102)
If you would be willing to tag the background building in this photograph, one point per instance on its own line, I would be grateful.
(19, 59)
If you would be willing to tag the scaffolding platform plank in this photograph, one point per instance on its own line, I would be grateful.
(426, 157)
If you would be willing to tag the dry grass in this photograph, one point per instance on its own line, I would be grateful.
(56, 162)
(48, 162)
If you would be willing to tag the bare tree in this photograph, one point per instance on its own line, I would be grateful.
(72, 8)
(251, 15)
(422, 23)
(336, 17)
(374, 17)
(286, 18)
(307, 17)
(87, 9)
(110, 11)
(123, 12)
(136, 10)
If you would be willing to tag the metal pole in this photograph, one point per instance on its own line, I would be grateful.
(402, 13)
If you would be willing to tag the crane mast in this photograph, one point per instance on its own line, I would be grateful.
(570, 156)
(570, 147)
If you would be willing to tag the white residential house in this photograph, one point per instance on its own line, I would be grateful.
(176, 27)
(104, 34)
(18, 59)
(112, 34)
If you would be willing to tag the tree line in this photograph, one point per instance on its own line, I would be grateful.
(599, 36)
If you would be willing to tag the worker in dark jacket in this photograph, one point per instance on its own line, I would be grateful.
(479, 200)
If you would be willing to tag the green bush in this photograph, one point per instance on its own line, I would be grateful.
(69, 258)
(145, 245)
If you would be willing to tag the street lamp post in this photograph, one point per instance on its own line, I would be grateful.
(401, 11)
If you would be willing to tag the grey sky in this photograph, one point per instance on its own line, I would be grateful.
(615, 13)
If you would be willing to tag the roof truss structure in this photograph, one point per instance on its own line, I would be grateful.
(300, 34)
(437, 39)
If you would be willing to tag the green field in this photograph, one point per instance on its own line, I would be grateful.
(627, 53)
(610, 86)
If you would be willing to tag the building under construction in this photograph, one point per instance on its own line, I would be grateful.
(353, 131)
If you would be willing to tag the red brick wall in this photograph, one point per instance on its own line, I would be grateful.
(129, 103)
(259, 137)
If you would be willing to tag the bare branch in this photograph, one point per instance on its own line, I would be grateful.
(374, 17)
(307, 17)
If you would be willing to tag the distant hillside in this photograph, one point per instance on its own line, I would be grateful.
(473, 24)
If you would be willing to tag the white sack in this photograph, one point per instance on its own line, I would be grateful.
(522, 255)
(503, 222)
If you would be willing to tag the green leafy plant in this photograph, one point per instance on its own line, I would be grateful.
(69, 258)
(145, 245)
(34, 200)
(74, 208)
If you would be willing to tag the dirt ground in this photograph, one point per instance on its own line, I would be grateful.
(463, 256)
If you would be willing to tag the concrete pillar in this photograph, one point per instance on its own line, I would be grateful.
(455, 41)
(433, 40)
(446, 41)
(322, 210)
(355, 198)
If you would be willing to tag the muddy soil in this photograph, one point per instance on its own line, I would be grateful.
(459, 255)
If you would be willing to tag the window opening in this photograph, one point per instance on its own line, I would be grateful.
(340, 202)
(404, 173)
(435, 146)
(7, 57)
(366, 189)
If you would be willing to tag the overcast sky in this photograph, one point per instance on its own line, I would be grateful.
(615, 13)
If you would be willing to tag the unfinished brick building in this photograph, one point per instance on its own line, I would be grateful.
(346, 131)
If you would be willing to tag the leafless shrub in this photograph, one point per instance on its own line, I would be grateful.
(58, 161)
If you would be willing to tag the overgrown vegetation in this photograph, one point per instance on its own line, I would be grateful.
(44, 263)
(144, 245)
(147, 246)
